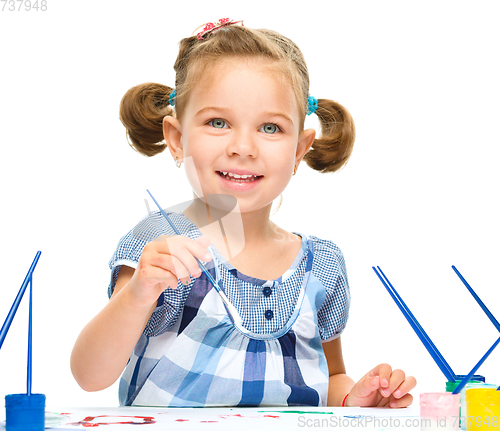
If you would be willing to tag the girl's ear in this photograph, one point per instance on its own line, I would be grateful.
(172, 135)
(306, 139)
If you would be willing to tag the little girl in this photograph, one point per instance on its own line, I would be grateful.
(236, 119)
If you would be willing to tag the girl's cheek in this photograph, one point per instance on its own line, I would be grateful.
(192, 175)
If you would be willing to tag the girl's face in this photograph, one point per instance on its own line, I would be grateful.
(241, 119)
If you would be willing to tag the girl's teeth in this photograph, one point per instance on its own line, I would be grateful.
(240, 176)
(236, 177)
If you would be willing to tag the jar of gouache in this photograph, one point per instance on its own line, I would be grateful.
(439, 410)
(25, 412)
(483, 408)
(476, 381)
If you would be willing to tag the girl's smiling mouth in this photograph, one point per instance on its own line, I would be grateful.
(239, 177)
(239, 182)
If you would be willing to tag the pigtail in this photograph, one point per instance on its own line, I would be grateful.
(332, 150)
(142, 110)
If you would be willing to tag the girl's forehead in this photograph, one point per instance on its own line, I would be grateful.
(243, 75)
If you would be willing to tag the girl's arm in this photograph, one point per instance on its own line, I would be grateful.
(339, 384)
(104, 346)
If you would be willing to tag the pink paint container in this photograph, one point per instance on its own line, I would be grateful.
(439, 411)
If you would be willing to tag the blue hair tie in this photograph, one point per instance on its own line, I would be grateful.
(171, 98)
(312, 105)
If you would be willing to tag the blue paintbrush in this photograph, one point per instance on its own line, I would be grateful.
(424, 338)
(478, 300)
(30, 342)
(17, 300)
(476, 367)
(419, 327)
(230, 307)
(24, 409)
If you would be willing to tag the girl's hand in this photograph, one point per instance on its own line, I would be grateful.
(382, 387)
(163, 262)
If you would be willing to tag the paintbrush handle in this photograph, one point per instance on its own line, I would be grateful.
(423, 339)
(17, 301)
(478, 300)
(476, 367)
(422, 331)
(164, 214)
(29, 377)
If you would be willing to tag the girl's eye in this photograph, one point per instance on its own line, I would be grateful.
(270, 128)
(218, 123)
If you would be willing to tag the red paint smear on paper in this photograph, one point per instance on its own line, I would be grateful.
(228, 416)
(182, 420)
(249, 417)
(88, 421)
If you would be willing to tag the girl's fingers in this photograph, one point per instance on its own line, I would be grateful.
(366, 386)
(396, 379)
(203, 241)
(177, 254)
(384, 371)
(172, 245)
(404, 401)
(176, 265)
(405, 387)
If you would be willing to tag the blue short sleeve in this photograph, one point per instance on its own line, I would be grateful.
(128, 252)
(329, 267)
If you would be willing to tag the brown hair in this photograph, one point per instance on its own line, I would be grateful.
(143, 107)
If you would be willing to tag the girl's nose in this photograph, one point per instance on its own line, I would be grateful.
(242, 144)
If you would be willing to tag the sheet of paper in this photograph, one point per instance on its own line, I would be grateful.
(241, 419)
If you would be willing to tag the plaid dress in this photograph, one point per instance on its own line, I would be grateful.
(191, 353)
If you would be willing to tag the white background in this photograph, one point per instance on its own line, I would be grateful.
(419, 194)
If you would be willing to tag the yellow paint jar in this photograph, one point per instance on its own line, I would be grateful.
(483, 408)
(450, 387)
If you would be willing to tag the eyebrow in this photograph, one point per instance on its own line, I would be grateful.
(226, 110)
(211, 108)
(279, 114)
